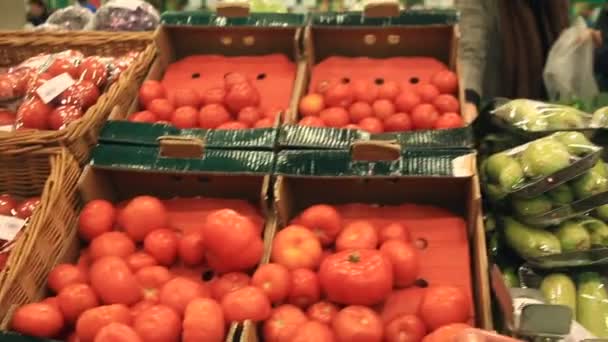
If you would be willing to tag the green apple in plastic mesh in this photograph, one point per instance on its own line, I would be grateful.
(576, 142)
(598, 231)
(504, 171)
(591, 182)
(561, 195)
(530, 242)
(600, 118)
(544, 157)
(522, 113)
(573, 236)
(601, 212)
(564, 118)
(531, 206)
(495, 193)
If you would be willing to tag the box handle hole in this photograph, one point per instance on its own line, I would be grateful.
(414, 80)
(379, 81)
(261, 76)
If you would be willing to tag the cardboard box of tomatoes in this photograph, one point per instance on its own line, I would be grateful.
(380, 78)
(224, 79)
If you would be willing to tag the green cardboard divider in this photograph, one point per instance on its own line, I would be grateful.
(405, 18)
(201, 18)
(9, 336)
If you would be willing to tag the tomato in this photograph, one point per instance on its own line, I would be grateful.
(37, 80)
(241, 95)
(357, 324)
(111, 244)
(152, 279)
(311, 104)
(91, 321)
(364, 91)
(247, 303)
(233, 78)
(139, 260)
(114, 282)
(63, 115)
(117, 332)
(226, 231)
(406, 328)
(74, 299)
(357, 277)
(446, 81)
(185, 117)
(402, 302)
(140, 307)
(7, 117)
(162, 245)
(323, 312)
(334, 117)
(407, 101)
(358, 234)
(313, 331)
(324, 220)
(248, 258)
(213, 115)
(33, 113)
(264, 123)
(61, 65)
(352, 126)
(449, 120)
(398, 123)
(389, 90)
(51, 301)
(94, 70)
(97, 217)
(143, 116)
(446, 333)
(63, 275)
(7, 204)
(383, 108)
(339, 95)
(227, 283)
(394, 231)
(249, 115)
(372, 125)
(427, 92)
(359, 111)
(311, 121)
(296, 247)
(424, 116)
(283, 322)
(38, 319)
(191, 248)
(158, 323)
(213, 95)
(232, 125)
(185, 97)
(162, 108)
(273, 112)
(26, 208)
(149, 91)
(274, 280)
(305, 288)
(7, 87)
(404, 258)
(84, 261)
(82, 93)
(442, 305)
(447, 103)
(322, 86)
(142, 215)
(179, 291)
(203, 321)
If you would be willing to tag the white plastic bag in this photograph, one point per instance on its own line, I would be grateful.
(569, 69)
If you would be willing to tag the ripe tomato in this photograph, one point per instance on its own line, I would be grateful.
(305, 289)
(357, 277)
(406, 328)
(233, 78)
(152, 279)
(213, 95)
(339, 95)
(312, 121)
(296, 247)
(143, 116)
(161, 244)
(117, 332)
(91, 321)
(264, 123)
(352, 126)
(394, 231)
(322, 86)
(185, 117)
(232, 125)
(158, 323)
(191, 248)
(75, 299)
(111, 244)
(334, 117)
(241, 95)
(424, 116)
(179, 291)
(311, 105)
(162, 108)
(427, 92)
(249, 116)
(398, 123)
(97, 217)
(407, 101)
(389, 90)
(372, 125)
(63, 115)
(227, 283)
(323, 312)
(63, 275)
(149, 91)
(114, 282)
(357, 324)
(248, 303)
(185, 97)
(359, 111)
(449, 120)
(94, 70)
(446, 81)
(203, 321)
(138, 308)
(7, 117)
(274, 280)
(52, 301)
(61, 65)
(313, 331)
(404, 258)
(442, 305)
(324, 220)
(82, 93)
(364, 91)
(36, 81)
(33, 113)
(226, 231)
(84, 261)
(446, 333)
(139, 260)
(38, 319)
(7, 204)
(213, 115)
(283, 322)
(447, 103)
(26, 208)
(358, 234)
(402, 302)
(383, 108)
(248, 258)
(273, 112)
(142, 215)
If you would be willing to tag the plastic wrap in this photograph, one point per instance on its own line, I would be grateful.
(70, 18)
(125, 15)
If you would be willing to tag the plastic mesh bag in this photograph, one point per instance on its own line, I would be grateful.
(126, 15)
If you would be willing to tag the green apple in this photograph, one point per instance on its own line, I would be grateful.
(531, 206)
(576, 142)
(544, 157)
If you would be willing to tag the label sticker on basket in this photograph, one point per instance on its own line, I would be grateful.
(6, 128)
(10, 227)
(55, 86)
(127, 4)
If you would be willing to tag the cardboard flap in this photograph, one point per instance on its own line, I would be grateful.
(233, 9)
(404, 18)
(211, 19)
(381, 8)
(375, 150)
(180, 147)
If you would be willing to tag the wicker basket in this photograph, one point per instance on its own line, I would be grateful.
(51, 173)
(81, 135)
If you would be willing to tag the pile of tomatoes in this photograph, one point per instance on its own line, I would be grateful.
(233, 105)
(10, 206)
(385, 107)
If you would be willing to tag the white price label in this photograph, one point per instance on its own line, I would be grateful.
(127, 4)
(9, 227)
(6, 128)
(55, 86)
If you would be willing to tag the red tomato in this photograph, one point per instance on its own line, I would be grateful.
(248, 258)
(388, 90)
(313, 331)
(7, 87)
(323, 312)
(356, 277)
(213, 95)
(305, 288)
(111, 244)
(394, 231)
(274, 280)
(322, 86)
(398, 123)
(358, 234)
(383, 108)
(359, 111)
(213, 115)
(94, 70)
(248, 303)
(149, 91)
(178, 292)
(357, 324)
(424, 116)
(7, 204)
(63, 275)
(249, 115)
(82, 93)
(138, 308)
(91, 321)
(334, 117)
(427, 92)
(185, 117)
(407, 101)
(37, 80)
(26, 208)
(442, 305)
(191, 248)
(352, 126)
(324, 220)
(273, 112)
(296, 247)
(446, 103)
(7, 118)
(449, 120)
(84, 261)
(283, 322)
(152, 279)
(227, 283)
(158, 323)
(232, 125)
(226, 231)
(114, 282)
(117, 332)
(364, 91)
(97, 217)
(139, 260)
(311, 105)
(446, 81)
(63, 115)
(241, 95)
(233, 78)
(339, 95)
(402, 302)
(143, 116)
(38, 319)
(162, 108)
(33, 113)
(312, 121)
(264, 123)
(446, 333)
(52, 301)
(404, 258)
(185, 97)
(372, 125)
(75, 299)
(61, 65)
(162, 245)
(142, 215)
(203, 321)
(406, 328)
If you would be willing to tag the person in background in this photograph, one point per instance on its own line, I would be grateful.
(601, 54)
(38, 12)
(87, 4)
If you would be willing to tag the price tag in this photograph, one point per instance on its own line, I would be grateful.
(6, 128)
(9, 227)
(55, 86)
(127, 4)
